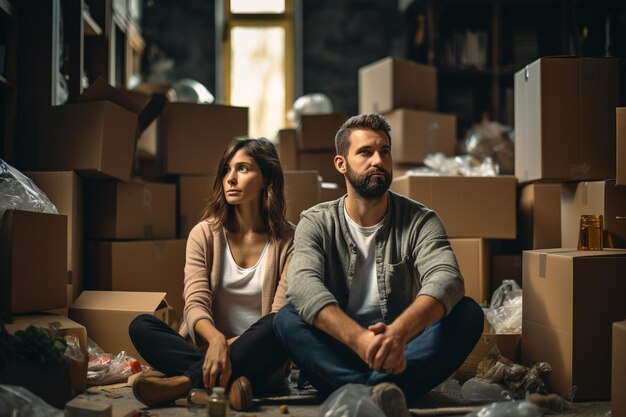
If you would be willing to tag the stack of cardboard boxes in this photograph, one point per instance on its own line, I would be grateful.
(565, 159)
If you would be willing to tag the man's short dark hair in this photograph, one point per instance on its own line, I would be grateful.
(373, 121)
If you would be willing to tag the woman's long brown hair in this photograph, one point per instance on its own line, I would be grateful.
(273, 207)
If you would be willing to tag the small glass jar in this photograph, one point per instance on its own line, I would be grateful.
(591, 232)
(218, 404)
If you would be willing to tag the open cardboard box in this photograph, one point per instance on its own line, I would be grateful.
(107, 315)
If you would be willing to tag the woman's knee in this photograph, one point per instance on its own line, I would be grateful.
(140, 325)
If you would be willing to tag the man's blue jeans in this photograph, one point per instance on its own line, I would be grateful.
(432, 356)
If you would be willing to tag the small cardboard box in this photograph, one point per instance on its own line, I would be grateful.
(95, 136)
(193, 195)
(65, 190)
(618, 370)
(468, 206)
(288, 149)
(391, 83)
(596, 197)
(323, 163)
(302, 191)
(565, 119)
(144, 265)
(472, 256)
(570, 301)
(33, 261)
(107, 315)
(415, 134)
(540, 216)
(316, 132)
(194, 136)
(122, 210)
(620, 138)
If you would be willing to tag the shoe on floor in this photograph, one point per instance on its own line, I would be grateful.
(240, 394)
(390, 398)
(156, 391)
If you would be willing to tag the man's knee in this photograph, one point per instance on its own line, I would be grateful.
(285, 320)
(472, 315)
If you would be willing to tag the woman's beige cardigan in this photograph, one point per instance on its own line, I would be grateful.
(203, 272)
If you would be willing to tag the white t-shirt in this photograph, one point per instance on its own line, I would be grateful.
(238, 302)
(364, 300)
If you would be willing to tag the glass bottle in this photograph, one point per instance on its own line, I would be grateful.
(218, 404)
(591, 230)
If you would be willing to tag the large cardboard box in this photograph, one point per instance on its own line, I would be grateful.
(107, 314)
(620, 137)
(570, 301)
(33, 261)
(618, 370)
(95, 136)
(146, 265)
(596, 197)
(565, 119)
(123, 210)
(194, 136)
(288, 149)
(316, 132)
(329, 192)
(390, 83)
(193, 195)
(302, 191)
(468, 206)
(65, 190)
(415, 134)
(540, 216)
(473, 257)
(323, 163)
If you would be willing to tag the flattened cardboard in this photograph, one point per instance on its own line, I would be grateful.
(193, 195)
(33, 261)
(473, 257)
(482, 207)
(107, 314)
(415, 134)
(391, 83)
(65, 190)
(120, 210)
(301, 192)
(571, 299)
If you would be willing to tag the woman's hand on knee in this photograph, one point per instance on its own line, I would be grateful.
(216, 369)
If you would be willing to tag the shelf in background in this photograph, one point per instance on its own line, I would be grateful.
(90, 26)
(6, 7)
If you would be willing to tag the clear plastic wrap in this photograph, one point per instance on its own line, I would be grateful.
(505, 311)
(18, 192)
(509, 409)
(19, 402)
(492, 140)
(314, 103)
(464, 165)
(351, 400)
(104, 369)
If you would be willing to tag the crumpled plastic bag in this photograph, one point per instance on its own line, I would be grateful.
(19, 402)
(104, 369)
(351, 400)
(18, 192)
(313, 103)
(489, 139)
(505, 311)
(463, 165)
(508, 409)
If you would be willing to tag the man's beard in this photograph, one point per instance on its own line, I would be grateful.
(365, 185)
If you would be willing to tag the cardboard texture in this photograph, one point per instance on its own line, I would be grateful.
(65, 190)
(95, 136)
(570, 301)
(596, 197)
(316, 132)
(505, 267)
(147, 265)
(473, 257)
(323, 163)
(302, 191)
(194, 136)
(618, 370)
(119, 210)
(476, 207)
(540, 216)
(33, 270)
(107, 314)
(193, 194)
(620, 138)
(415, 134)
(328, 192)
(147, 144)
(288, 149)
(390, 83)
(564, 118)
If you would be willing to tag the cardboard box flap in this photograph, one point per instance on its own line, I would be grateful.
(147, 108)
(121, 301)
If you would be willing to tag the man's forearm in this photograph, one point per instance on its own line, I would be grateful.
(335, 322)
(423, 311)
